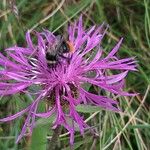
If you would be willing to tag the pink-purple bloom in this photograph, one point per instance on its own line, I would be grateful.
(62, 85)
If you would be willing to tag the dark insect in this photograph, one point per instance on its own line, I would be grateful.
(54, 54)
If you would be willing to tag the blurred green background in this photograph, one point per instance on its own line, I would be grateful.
(127, 18)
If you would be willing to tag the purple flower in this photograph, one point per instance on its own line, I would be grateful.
(62, 85)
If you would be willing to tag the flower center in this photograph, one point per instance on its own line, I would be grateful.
(51, 100)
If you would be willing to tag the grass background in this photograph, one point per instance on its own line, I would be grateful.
(127, 18)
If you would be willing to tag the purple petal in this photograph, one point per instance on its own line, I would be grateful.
(23, 50)
(114, 50)
(29, 41)
(47, 114)
(12, 117)
(14, 90)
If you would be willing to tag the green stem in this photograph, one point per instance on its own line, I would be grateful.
(54, 140)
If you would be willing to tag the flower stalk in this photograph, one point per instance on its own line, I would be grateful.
(55, 137)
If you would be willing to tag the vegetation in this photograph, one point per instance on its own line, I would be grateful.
(128, 130)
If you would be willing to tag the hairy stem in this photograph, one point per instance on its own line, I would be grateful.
(54, 140)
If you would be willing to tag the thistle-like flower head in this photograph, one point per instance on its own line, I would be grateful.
(61, 85)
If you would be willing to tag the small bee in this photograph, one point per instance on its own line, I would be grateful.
(53, 54)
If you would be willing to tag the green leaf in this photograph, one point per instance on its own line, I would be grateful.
(142, 126)
(44, 122)
(80, 143)
(88, 108)
(39, 140)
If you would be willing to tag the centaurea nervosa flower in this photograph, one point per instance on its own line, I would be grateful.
(62, 85)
